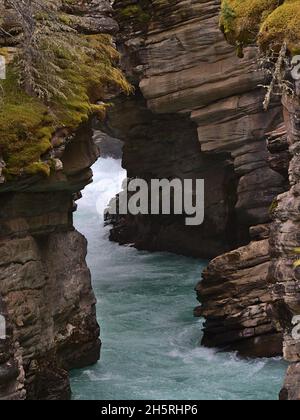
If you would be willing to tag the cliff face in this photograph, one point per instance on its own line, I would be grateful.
(152, 150)
(197, 113)
(44, 280)
(284, 271)
(46, 297)
(189, 80)
(274, 26)
(185, 68)
(200, 114)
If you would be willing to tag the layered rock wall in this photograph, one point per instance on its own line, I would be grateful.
(284, 271)
(197, 113)
(46, 297)
(185, 70)
(45, 283)
(201, 115)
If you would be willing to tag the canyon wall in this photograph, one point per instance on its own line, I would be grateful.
(198, 113)
(284, 274)
(190, 81)
(46, 297)
(203, 102)
(45, 283)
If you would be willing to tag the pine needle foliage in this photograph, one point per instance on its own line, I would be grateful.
(57, 78)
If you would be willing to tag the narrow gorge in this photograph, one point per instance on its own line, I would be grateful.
(182, 84)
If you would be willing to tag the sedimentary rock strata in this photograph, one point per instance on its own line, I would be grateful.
(197, 113)
(290, 390)
(284, 273)
(235, 299)
(44, 280)
(46, 297)
(201, 115)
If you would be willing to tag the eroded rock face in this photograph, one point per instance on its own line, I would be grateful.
(45, 283)
(235, 302)
(235, 294)
(167, 146)
(187, 72)
(284, 272)
(46, 297)
(193, 84)
(46, 286)
(291, 388)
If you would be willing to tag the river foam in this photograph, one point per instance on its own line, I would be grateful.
(150, 338)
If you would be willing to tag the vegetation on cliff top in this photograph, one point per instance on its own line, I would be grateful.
(269, 22)
(55, 78)
(274, 25)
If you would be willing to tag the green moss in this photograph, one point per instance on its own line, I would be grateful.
(283, 25)
(25, 127)
(241, 19)
(269, 22)
(27, 124)
(39, 167)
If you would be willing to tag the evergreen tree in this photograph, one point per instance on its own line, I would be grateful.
(43, 35)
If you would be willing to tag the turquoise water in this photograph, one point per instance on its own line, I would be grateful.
(150, 338)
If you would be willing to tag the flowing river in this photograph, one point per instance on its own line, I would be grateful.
(145, 309)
